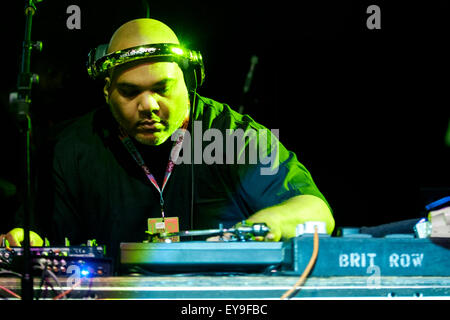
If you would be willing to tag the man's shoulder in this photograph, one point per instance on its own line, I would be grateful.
(221, 115)
(79, 131)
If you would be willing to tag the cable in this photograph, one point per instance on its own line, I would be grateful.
(53, 276)
(11, 292)
(46, 272)
(48, 283)
(44, 279)
(8, 272)
(88, 294)
(308, 268)
(192, 151)
(67, 291)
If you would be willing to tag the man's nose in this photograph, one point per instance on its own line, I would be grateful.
(148, 103)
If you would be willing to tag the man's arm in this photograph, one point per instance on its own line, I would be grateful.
(283, 218)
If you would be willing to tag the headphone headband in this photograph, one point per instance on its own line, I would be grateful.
(99, 62)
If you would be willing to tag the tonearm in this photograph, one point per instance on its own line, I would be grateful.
(240, 232)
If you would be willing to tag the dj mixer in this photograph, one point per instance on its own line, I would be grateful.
(354, 264)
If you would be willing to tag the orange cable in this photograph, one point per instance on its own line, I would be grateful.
(308, 268)
(11, 292)
(59, 296)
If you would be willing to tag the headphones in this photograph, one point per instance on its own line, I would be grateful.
(190, 62)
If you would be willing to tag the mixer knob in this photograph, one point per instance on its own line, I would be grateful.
(92, 243)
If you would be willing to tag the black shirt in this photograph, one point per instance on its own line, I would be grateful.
(97, 190)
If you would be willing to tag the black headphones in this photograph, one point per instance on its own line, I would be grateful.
(190, 62)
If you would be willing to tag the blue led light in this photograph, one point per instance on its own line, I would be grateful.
(84, 272)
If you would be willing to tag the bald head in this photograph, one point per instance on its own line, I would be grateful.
(139, 32)
(146, 90)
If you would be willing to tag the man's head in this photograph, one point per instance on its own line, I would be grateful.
(149, 99)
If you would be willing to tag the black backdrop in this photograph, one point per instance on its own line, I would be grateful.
(365, 110)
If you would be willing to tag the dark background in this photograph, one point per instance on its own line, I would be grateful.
(366, 111)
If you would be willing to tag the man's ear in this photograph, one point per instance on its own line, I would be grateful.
(106, 89)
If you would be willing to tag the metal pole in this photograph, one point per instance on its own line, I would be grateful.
(20, 102)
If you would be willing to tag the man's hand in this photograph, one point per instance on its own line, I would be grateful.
(283, 218)
(15, 238)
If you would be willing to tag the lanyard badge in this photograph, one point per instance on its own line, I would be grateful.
(163, 224)
(157, 226)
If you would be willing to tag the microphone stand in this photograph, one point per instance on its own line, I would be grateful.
(20, 102)
(248, 81)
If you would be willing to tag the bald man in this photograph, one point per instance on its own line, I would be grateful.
(101, 190)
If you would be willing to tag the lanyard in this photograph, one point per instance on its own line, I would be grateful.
(174, 153)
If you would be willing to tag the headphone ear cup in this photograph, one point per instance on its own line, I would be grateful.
(183, 63)
(193, 69)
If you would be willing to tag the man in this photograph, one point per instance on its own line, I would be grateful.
(100, 189)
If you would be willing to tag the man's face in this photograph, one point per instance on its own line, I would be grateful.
(149, 100)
